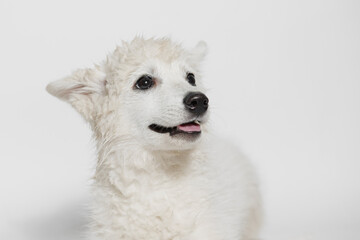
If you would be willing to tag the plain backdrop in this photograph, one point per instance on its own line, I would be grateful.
(284, 84)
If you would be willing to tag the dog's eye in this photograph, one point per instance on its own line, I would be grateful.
(191, 78)
(144, 82)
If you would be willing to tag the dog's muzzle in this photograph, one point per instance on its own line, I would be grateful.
(197, 104)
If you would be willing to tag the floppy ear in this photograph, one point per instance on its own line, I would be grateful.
(80, 90)
(198, 53)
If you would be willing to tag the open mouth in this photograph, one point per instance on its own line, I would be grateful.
(187, 128)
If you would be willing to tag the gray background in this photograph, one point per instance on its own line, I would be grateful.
(284, 84)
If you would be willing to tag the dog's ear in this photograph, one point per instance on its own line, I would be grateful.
(81, 90)
(198, 53)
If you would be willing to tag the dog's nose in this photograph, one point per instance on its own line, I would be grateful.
(196, 102)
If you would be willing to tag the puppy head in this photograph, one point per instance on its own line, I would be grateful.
(147, 92)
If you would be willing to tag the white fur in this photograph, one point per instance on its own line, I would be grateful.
(150, 185)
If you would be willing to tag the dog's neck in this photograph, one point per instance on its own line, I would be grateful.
(122, 161)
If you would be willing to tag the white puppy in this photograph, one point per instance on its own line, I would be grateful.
(160, 174)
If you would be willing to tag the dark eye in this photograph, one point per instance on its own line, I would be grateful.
(144, 82)
(191, 78)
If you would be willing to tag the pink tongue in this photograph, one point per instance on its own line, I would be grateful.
(189, 127)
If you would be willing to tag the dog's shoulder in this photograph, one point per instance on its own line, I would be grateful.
(224, 158)
(224, 149)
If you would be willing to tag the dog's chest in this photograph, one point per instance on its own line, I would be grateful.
(150, 205)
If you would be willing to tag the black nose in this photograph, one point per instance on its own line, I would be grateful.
(196, 102)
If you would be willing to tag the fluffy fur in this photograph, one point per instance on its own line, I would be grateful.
(150, 185)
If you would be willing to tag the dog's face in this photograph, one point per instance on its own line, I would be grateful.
(148, 91)
(166, 104)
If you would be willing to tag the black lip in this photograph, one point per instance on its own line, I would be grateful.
(171, 130)
(162, 129)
